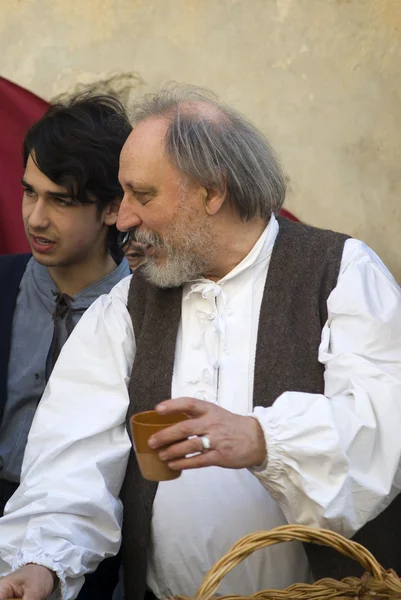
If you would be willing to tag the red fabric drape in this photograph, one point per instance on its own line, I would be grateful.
(19, 109)
(286, 213)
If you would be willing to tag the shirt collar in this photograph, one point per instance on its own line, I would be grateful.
(48, 290)
(260, 252)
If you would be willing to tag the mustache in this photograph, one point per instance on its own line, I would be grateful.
(126, 238)
(149, 238)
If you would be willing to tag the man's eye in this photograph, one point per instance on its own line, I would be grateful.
(29, 193)
(61, 202)
(143, 197)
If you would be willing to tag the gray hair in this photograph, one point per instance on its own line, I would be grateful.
(217, 148)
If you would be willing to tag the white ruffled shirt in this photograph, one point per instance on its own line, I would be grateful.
(333, 459)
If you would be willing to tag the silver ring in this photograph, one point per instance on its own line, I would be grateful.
(205, 442)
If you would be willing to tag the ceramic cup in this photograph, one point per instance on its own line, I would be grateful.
(143, 426)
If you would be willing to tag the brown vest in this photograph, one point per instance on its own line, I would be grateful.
(303, 271)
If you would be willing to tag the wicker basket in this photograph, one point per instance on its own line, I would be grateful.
(376, 582)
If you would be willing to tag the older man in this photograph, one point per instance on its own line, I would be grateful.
(280, 341)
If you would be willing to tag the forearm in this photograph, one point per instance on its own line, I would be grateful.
(66, 514)
(64, 523)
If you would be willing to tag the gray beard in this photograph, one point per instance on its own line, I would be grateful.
(188, 250)
(177, 268)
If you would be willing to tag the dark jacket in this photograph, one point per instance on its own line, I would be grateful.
(12, 269)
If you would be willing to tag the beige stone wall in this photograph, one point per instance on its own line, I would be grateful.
(320, 77)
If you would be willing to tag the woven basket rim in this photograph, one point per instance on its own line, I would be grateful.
(375, 582)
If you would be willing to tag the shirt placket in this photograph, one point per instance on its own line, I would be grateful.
(210, 343)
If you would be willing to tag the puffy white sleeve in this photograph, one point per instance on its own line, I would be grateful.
(66, 514)
(334, 459)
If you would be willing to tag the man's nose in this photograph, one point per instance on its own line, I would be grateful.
(38, 217)
(127, 216)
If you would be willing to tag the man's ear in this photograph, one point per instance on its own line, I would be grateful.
(213, 199)
(110, 213)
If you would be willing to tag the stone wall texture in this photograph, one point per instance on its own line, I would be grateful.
(320, 77)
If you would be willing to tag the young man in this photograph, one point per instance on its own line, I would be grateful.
(70, 203)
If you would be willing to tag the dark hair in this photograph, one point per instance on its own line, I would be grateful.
(77, 145)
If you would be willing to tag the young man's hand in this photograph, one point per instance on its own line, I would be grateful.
(32, 582)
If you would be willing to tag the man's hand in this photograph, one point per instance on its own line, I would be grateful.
(236, 442)
(31, 582)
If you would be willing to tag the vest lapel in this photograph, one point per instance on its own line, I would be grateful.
(156, 316)
(293, 312)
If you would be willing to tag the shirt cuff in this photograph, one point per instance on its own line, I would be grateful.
(61, 590)
(271, 471)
